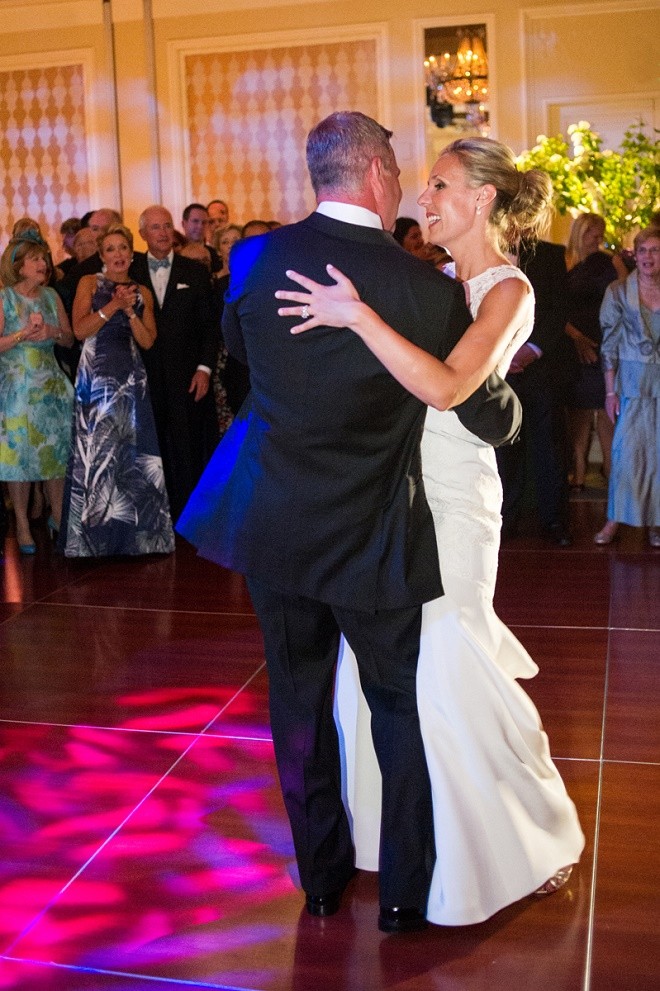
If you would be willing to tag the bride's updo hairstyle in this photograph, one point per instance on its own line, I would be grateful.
(522, 207)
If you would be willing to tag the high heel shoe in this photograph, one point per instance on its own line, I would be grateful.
(654, 536)
(607, 534)
(27, 549)
(555, 882)
(53, 527)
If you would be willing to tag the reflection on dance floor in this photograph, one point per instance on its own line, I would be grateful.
(143, 838)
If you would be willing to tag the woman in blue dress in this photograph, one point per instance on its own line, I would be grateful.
(35, 395)
(115, 500)
(630, 318)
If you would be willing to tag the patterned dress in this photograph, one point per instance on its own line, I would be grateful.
(115, 500)
(35, 396)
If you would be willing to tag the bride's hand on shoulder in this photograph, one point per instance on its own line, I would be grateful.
(336, 305)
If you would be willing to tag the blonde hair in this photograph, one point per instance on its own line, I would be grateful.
(116, 229)
(220, 231)
(581, 226)
(522, 207)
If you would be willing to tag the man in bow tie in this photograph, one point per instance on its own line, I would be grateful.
(180, 363)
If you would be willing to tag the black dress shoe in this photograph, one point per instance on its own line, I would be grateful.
(559, 535)
(401, 920)
(323, 905)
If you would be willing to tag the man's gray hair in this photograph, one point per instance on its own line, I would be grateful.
(341, 148)
(142, 219)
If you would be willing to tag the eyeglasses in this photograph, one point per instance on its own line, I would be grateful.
(647, 251)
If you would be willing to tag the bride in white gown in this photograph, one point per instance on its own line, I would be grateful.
(504, 824)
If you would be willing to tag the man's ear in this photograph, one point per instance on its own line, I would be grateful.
(375, 170)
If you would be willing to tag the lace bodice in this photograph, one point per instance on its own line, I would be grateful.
(483, 283)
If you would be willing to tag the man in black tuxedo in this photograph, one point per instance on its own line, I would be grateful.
(324, 510)
(98, 222)
(538, 375)
(180, 362)
(195, 222)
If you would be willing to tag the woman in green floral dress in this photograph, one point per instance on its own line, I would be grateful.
(35, 395)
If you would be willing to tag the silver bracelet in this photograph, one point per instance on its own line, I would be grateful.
(610, 394)
(102, 315)
(132, 316)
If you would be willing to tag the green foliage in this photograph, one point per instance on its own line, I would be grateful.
(622, 186)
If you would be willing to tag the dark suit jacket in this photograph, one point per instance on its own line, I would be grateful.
(325, 498)
(187, 333)
(187, 336)
(67, 286)
(544, 264)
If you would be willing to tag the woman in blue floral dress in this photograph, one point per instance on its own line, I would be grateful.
(115, 500)
(35, 395)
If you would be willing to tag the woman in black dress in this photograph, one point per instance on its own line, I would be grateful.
(590, 271)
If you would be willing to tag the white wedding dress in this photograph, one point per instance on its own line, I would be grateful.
(503, 821)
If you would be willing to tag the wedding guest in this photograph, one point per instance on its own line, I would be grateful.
(180, 363)
(224, 238)
(35, 395)
(409, 235)
(115, 500)
(218, 212)
(590, 271)
(195, 221)
(68, 230)
(630, 352)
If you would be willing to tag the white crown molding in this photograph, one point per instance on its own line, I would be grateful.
(587, 9)
(599, 98)
(17, 18)
(173, 8)
(177, 155)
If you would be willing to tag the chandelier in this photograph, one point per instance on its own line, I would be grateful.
(459, 80)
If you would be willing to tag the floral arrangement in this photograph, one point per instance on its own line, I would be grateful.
(622, 186)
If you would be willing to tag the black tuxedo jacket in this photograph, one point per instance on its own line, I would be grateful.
(325, 498)
(67, 286)
(544, 264)
(188, 335)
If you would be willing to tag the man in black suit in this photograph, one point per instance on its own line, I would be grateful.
(195, 221)
(324, 509)
(180, 362)
(98, 222)
(538, 375)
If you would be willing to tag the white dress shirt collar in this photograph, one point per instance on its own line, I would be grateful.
(350, 213)
(161, 277)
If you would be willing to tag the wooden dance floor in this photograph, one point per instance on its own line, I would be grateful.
(143, 841)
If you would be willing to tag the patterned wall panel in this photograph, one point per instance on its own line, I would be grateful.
(249, 113)
(43, 154)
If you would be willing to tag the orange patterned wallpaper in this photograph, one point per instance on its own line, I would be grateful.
(249, 114)
(43, 154)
